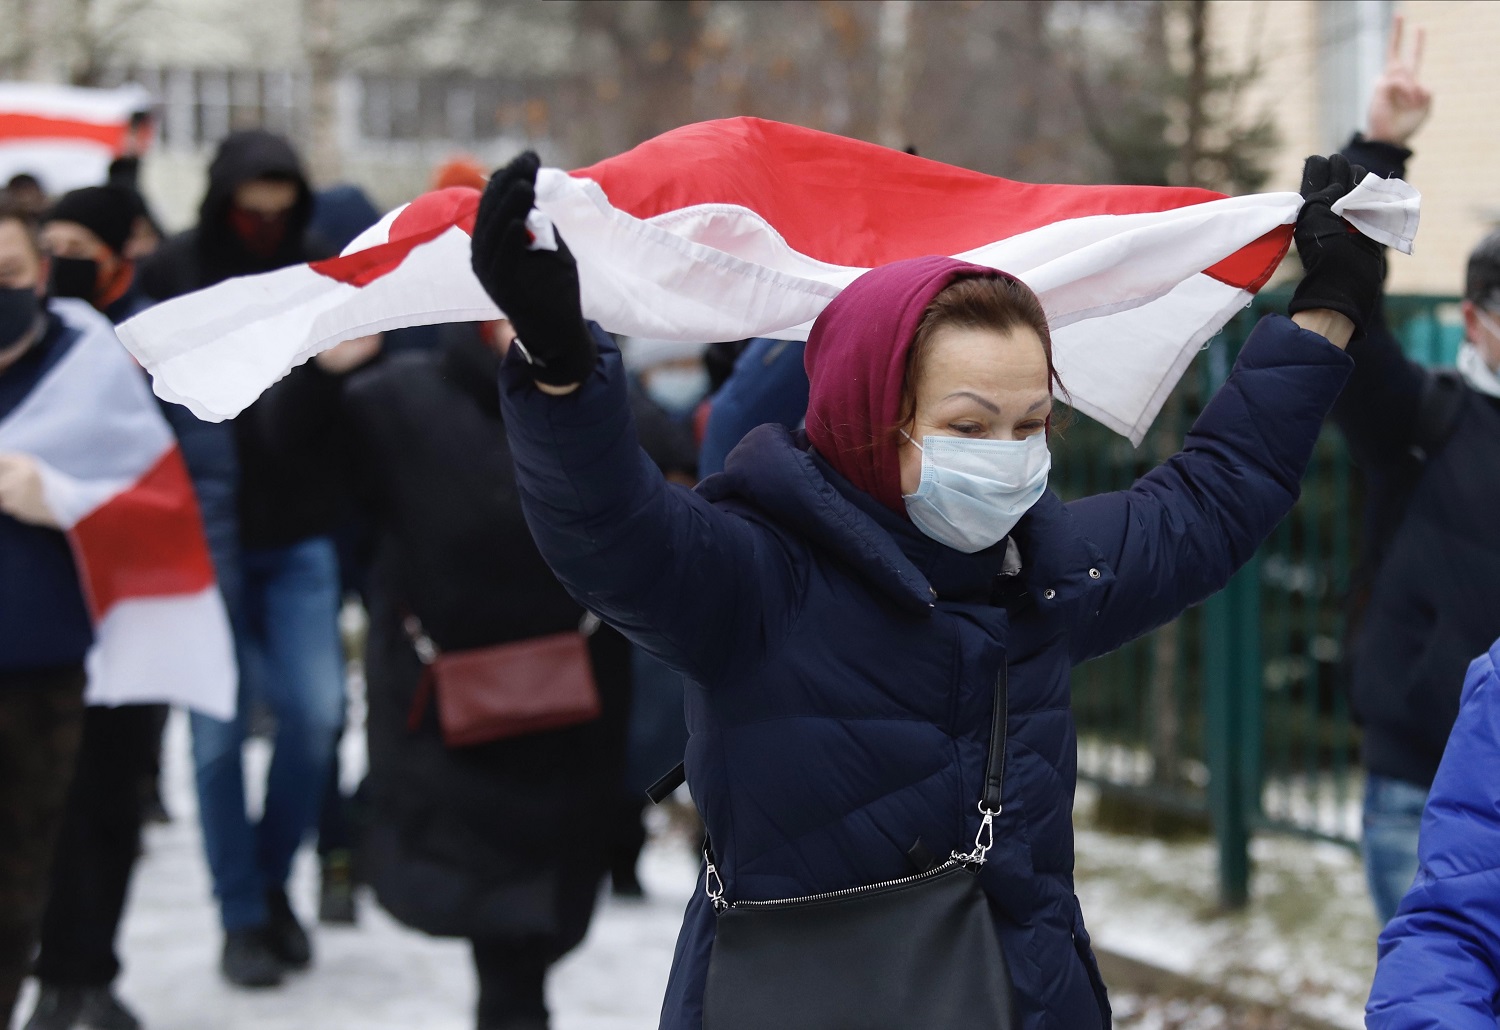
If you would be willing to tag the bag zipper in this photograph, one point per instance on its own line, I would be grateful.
(954, 860)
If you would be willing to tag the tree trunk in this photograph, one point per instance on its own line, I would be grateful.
(894, 76)
(1197, 92)
(322, 145)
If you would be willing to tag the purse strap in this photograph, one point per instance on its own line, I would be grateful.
(990, 802)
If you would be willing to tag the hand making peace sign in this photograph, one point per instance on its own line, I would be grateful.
(1399, 104)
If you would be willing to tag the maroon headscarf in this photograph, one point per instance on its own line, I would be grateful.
(856, 359)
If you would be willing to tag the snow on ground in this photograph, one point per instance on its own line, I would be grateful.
(1306, 942)
(378, 975)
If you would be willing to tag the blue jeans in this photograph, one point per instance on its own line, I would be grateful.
(1392, 821)
(291, 659)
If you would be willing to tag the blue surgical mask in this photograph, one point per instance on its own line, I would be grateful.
(677, 389)
(973, 492)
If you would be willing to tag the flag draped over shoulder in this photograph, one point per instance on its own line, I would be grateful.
(64, 135)
(743, 227)
(113, 476)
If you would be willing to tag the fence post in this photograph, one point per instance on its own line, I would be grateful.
(1223, 745)
(1249, 690)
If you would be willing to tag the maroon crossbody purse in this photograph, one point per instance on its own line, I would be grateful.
(491, 693)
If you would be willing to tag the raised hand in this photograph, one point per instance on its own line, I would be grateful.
(1343, 266)
(1399, 104)
(537, 289)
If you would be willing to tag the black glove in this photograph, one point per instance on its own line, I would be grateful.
(1344, 267)
(537, 289)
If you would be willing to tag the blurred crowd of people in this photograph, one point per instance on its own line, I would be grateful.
(376, 475)
(379, 474)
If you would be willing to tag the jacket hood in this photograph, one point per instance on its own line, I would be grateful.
(856, 364)
(242, 156)
(340, 213)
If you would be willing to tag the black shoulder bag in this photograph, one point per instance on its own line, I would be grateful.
(918, 952)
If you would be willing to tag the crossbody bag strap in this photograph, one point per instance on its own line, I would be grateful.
(990, 803)
(991, 800)
(427, 652)
(994, 772)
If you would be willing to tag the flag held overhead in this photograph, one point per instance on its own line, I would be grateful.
(772, 222)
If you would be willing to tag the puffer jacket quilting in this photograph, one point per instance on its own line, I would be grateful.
(843, 664)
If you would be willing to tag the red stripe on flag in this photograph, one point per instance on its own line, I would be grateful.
(146, 541)
(17, 126)
(1252, 266)
(847, 202)
(423, 220)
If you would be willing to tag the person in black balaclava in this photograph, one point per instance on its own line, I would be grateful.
(86, 235)
(254, 218)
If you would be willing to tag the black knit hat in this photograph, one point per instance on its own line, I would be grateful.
(108, 212)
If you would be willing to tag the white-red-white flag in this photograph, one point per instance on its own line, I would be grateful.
(743, 227)
(114, 478)
(65, 135)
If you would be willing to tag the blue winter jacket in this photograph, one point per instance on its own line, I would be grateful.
(842, 664)
(769, 384)
(1440, 957)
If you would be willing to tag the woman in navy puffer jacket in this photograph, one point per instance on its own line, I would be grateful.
(841, 612)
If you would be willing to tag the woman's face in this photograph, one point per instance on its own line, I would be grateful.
(977, 383)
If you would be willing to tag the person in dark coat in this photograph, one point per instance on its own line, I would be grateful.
(1440, 955)
(45, 629)
(254, 218)
(86, 236)
(501, 843)
(843, 600)
(1428, 445)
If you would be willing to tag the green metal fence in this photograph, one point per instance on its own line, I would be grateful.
(1236, 712)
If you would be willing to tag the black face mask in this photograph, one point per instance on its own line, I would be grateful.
(19, 307)
(74, 277)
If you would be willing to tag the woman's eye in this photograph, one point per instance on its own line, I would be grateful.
(966, 428)
(1031, 428)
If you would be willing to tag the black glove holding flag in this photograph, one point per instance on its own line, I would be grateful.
(1344, 267)
(537, 289)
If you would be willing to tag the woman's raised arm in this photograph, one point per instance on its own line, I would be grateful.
(704, 591)
(1183, 529)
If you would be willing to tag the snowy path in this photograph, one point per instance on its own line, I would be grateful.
(379, 975)
(1305, 943)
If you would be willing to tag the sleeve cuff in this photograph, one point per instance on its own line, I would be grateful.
(1386, 160)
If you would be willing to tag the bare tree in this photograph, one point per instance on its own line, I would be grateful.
(73, 41)
(320, 25)
(1160, 124)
